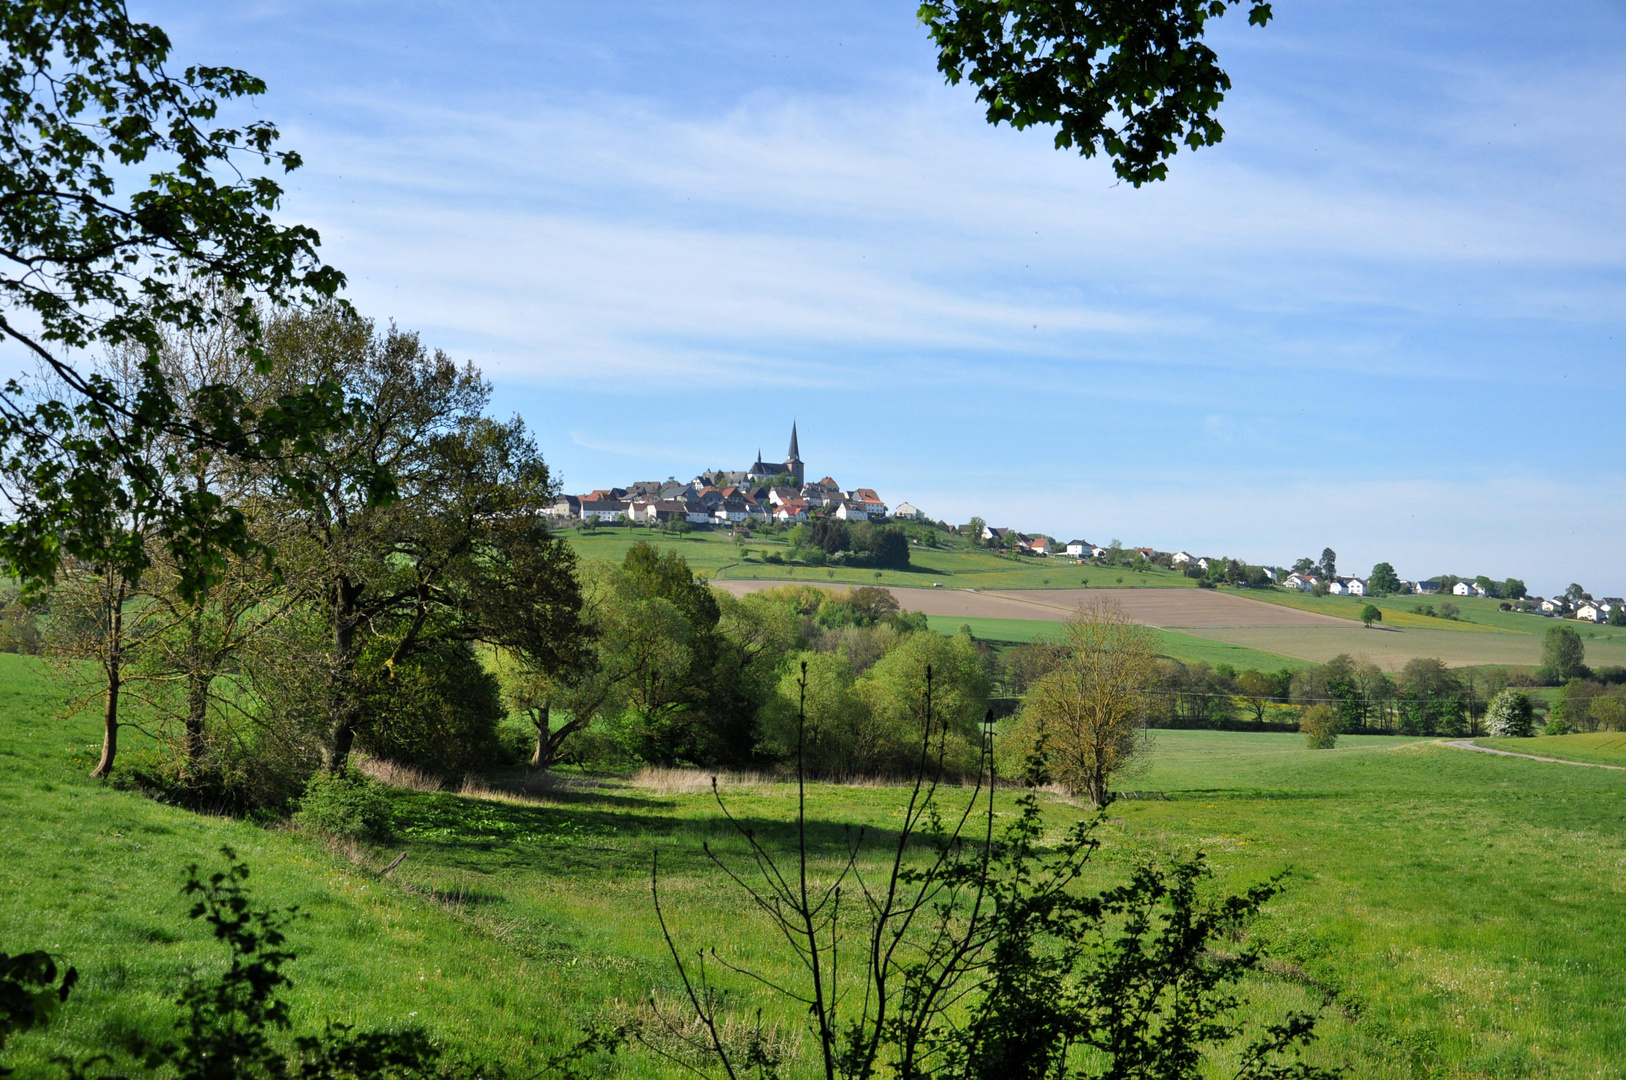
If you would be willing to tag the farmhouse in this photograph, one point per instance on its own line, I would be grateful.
(1590, 612)
(907, 512)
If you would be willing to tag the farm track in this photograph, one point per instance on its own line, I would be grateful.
(1468, 744)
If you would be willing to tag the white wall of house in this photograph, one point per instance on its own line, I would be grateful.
(1462, 588)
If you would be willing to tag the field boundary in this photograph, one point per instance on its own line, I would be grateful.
(1469, 744)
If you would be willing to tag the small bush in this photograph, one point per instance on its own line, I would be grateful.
(347, 805)
(1321, 726)
(1557, 726)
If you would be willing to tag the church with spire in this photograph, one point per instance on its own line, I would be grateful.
(792, 464)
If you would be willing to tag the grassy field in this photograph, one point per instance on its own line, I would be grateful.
(1478, 614)
(1484, 635)
(1170, 642)
(1451, 914)
(1597, 747)
(1390, 648)
(716, 555)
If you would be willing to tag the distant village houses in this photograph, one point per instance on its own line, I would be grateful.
(775, 491)
(779, 492)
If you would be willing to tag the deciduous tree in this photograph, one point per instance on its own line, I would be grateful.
(119, 188)
(1384, 581)
(1090, 707)
(1133, 80)
(1563, 654)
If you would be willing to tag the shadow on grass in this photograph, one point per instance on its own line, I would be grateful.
(473, 831)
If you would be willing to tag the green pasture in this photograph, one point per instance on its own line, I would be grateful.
(716, 555)
(1449, 914)
(1478, 613)
(1596, 747)
(1391, 647)
(1181, 646)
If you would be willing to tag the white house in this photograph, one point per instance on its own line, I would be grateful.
(1355, 586)
(1425, 588)
(1462, 588)
(907, 512)
(791, 510)
(1180, 557)
(1301, 582)
(1078, 549)
(1097, 551)
(1589, 612)
(1555, 606)
(1202, 564)
(852, 511)
(1272, 573)
(1337, 587)
(602, 509)
(872, 502)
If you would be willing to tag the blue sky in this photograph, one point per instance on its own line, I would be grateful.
(1383, 315)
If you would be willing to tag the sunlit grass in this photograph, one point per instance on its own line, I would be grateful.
(1452, 914)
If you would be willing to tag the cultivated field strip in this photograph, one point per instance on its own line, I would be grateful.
(1172, 608)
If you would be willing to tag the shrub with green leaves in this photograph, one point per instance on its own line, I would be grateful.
(1321, 725)
(346, 804)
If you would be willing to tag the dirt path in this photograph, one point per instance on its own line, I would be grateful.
(1468, 744)
(1184, 608)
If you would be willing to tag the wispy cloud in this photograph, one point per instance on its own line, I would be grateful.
(1384, 314)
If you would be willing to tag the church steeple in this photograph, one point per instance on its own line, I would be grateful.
(793, 464)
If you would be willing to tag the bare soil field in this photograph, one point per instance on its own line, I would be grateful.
(1182, 608)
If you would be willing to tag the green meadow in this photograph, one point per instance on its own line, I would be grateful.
(1450, 914)
(717, 556)
(1595, 747)
(1477, 613)
(1188, 647)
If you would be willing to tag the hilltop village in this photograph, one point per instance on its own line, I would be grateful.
(778, 493)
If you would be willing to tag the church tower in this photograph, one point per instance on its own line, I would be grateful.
(793, 463)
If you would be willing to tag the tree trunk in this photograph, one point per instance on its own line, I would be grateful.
(341, 695)
(542, 757)
(113, 664)
(197, 698)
